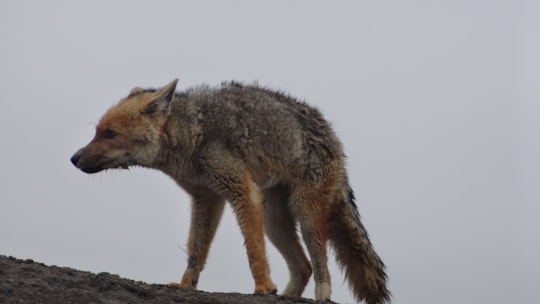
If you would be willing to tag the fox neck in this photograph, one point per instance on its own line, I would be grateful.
(177, 154)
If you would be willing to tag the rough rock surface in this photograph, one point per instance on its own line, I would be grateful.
(26, 281)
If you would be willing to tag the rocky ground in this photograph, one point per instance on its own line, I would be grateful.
(26, 281)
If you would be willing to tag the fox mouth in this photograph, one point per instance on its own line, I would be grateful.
(91, 170)
(88, 168)
(95, 165)
(102, 167)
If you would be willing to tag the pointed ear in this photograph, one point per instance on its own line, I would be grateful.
(161, 101)
(135, 91)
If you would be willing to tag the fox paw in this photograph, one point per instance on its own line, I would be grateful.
(180, 285)
(322, 291)
(268, 288)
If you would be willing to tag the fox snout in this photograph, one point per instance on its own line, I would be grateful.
(98, 156)
(75, 158)
(85, 166)
(88, 160)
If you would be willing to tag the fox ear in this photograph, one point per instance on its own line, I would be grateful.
(161, 101)
(135, 91)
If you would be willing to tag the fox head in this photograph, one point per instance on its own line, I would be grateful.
(129, 134)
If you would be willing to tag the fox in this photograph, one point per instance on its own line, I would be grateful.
(275, 159)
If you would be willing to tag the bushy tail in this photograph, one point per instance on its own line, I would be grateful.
(363, 268)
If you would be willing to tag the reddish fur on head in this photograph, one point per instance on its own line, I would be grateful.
(129, 133)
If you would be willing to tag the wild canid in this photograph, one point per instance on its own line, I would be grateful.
(275, 159)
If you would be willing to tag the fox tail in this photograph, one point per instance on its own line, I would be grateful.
(361, 265)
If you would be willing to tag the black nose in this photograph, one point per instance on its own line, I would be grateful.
(75, 158)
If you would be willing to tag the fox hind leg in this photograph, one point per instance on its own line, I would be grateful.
(280, 228)
(311, 210)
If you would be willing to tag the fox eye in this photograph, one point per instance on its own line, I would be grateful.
(108, 134)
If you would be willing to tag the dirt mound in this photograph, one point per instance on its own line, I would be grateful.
(25, 281)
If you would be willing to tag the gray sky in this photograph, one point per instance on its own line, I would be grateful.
(436, 102)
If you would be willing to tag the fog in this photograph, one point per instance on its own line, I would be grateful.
(436, 103)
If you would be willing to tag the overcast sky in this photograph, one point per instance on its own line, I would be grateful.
(437, 104)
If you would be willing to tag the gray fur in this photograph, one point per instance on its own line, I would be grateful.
(258, 149)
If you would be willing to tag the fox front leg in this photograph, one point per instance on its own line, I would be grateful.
(206, 212)
(246, 200)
